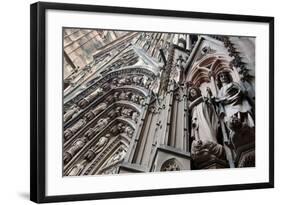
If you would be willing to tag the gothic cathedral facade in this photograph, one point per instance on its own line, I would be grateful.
(150, 102)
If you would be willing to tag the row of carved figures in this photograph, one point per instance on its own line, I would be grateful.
(117, 95)
(118, 111)
(120, 128)
(143, 81)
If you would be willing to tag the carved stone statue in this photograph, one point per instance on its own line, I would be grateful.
(75, 147)
(116, 129)
(70, 113)
(74, 128)
(77, 168)
(122, 96)
(203, 150)
(97, 148)
(147, 83)
(121, 82)
(135, 98)
(110, 99)
(94, 112)
(142, 101)
(204, 126)
(234, 106)
(135, 116)
(114, 112)
(204, 120)
(116, 95)
(129, 131)
(85, 101)
(101, 124)
(117, 157)
(128, 95)
(137, 80)
(127, 112)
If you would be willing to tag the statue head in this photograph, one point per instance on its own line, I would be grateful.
(223, 77)
(194, 93)
(235, 123)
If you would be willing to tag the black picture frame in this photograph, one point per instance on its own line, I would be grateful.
(38, 100)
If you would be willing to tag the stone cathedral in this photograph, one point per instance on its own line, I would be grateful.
(150, 102)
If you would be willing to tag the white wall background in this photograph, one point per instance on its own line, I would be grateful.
(14, 103)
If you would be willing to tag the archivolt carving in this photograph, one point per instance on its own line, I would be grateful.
(126, 93)
(91, 86)
(101, 115)
(88, 149)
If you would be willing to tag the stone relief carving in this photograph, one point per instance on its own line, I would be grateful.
(101, 124)
(114, 112)
(135, 116)
(71, 113)
(116, 158)
(170, 165)
(74, 128)
(128, 131)
(94, 112)
(74, 148)
(127, 112)
(85, 101)
(77, 168)
(116, 129)
(97, 148)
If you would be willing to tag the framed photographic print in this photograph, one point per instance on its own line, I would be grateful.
(129, 102)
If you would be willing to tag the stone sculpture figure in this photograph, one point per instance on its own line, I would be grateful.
(128, 95)
(74, 128)
(204, 127)
(97, 148)
(116, 95)
(101, 124)
(94, 112)
(122, 96)
(135, 98)
(129, 131)
(70, 113)
(117, 157)
(135, 116)
(121, 82)
(85, 101)
(235, 108)
(148, 83)
(77, 168)
(114, 112)
(75, 147)
(137, 80)
(116, 129)
(126, 112)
